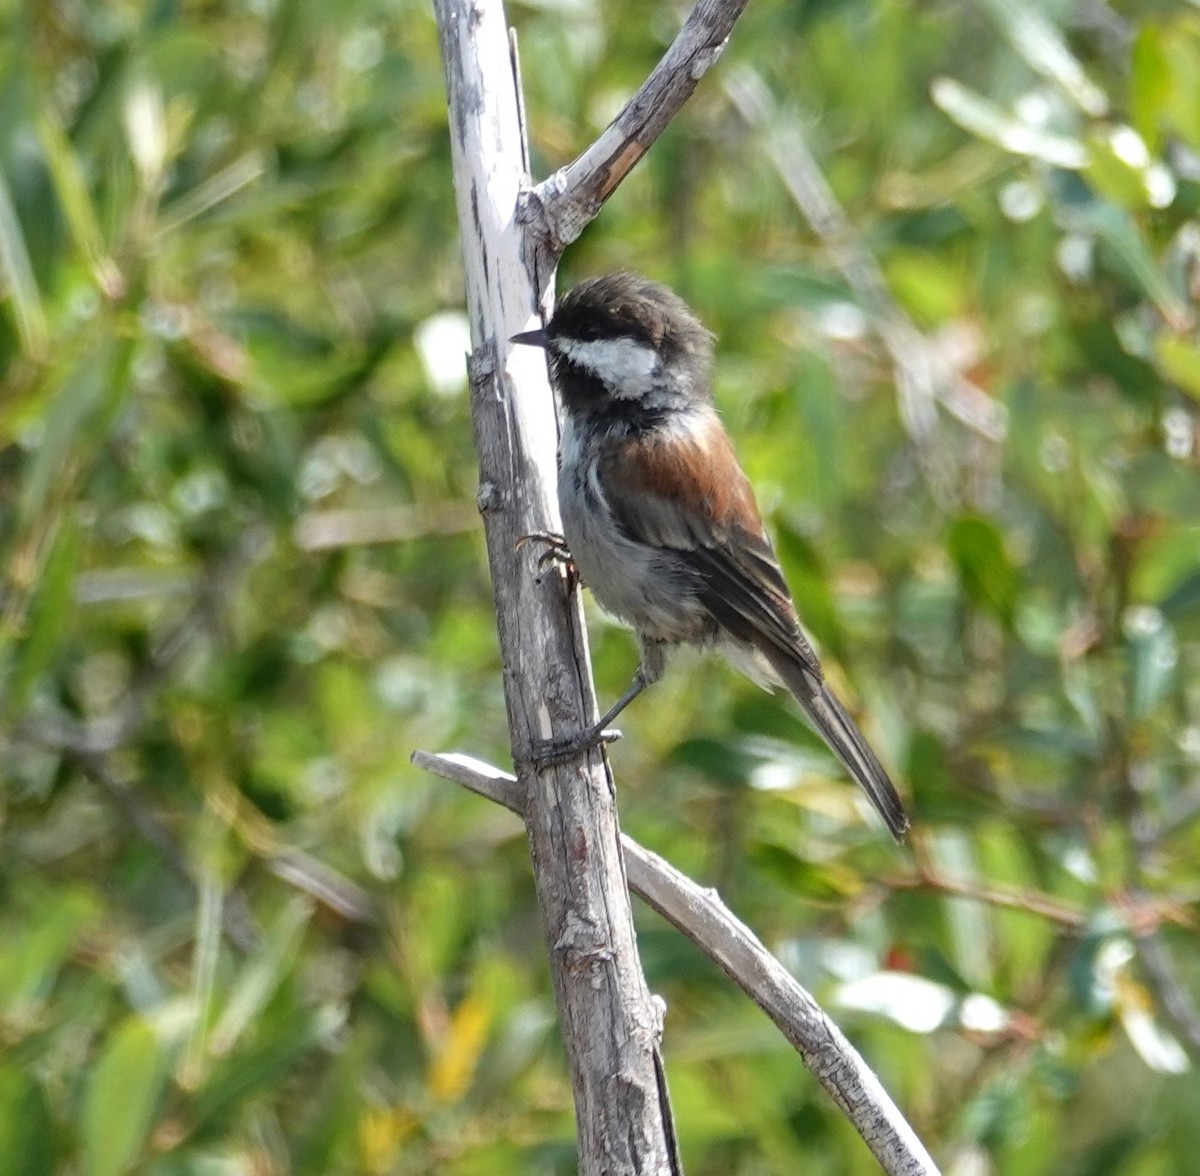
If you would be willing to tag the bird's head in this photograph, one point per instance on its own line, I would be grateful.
(624, 338)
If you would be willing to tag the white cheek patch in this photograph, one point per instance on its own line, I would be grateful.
(626, 366)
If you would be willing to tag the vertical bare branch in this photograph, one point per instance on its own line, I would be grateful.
(512, 236)
(610, 1024)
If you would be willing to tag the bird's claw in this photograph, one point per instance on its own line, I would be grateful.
(556, 552)
(554, 751)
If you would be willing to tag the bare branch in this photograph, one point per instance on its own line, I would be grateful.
(559, 208)
(702, 916)
(610, 1023)
(328, 886)
(1029, 901)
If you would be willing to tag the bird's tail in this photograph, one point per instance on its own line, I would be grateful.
(841, 733)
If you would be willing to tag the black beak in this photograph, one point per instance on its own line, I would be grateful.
(532, 338)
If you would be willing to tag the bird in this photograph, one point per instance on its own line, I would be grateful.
(658, 517)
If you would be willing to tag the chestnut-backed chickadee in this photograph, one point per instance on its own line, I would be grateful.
(659, 518)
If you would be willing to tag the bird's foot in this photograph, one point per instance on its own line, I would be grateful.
(554, 751)
(556, 552)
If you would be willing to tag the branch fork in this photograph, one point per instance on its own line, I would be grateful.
(513, 234)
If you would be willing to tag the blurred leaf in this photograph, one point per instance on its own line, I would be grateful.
(912, 1002)
(998, 1114)
(250, 1070)
(1154, 655)
(27, 1131)
(1128, 247)
(817, 881)
(809, 582)
(49, 614)
(19, 283)
(82, 411)
(930, 288)
(1184, 598)
(930, 777)
(1166, 58)
(970, 922)
(30, 961)
(339, 1109)
(1180, 363)
(1045, 49)
(1079, 680)
(718, 760)
(458, 1052)
(1120, 167)
(261, 975)
(1149, 83)
(1023, 940)
(122, 1094)
(1105, 352)
(145, 127)
(71, 189)
(1155, 1046)
(984, 118)
(987, 574)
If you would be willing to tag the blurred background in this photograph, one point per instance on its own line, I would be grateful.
(950, 250)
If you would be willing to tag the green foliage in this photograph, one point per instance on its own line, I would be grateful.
(122, 1095)
(242, 578)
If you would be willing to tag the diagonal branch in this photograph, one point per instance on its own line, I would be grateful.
(559, 208)
(701, 915)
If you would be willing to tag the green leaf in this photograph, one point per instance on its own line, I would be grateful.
(30, 962)
(49, 613)
(242, 1075)
(930, 287)
(1154, 657)
(1179, 362)
(1184, 599)
(67, 170)
(987, 575)
(1045, 49)
(18, 281)
(123, 1091)
(261, 975)
(1149, 83)
(78, 420)
(1128, 247)
(1120, 167)
(984, 118)
(809, 582)
(1179, 49)
(719, 761)
(26, 1128)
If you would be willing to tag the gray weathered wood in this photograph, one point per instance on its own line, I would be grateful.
(700, 914)
(512, 236)
(610, 1023)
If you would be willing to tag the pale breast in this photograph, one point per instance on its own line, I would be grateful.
(649, 588)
